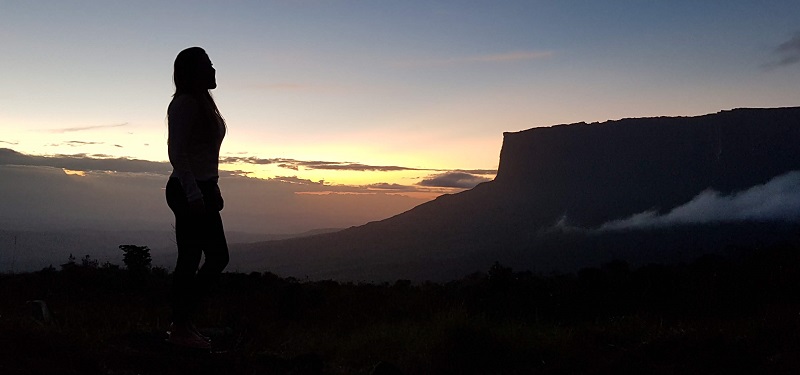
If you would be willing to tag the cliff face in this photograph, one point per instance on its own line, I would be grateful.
(598, 172)
(586, 173)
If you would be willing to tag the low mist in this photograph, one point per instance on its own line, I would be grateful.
(776, 200)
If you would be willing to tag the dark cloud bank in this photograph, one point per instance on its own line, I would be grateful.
(46, 214)
(121, 192)
(462, 180)
(295, 164)
(84, 162)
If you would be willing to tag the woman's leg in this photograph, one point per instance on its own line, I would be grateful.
(215, 250)
(195, 235)
(188, 229)
(188, 237)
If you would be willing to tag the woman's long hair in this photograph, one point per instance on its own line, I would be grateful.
(188, 81)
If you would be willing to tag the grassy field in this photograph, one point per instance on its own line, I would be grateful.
(714, 316)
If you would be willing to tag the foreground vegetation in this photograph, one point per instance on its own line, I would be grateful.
(717, 315)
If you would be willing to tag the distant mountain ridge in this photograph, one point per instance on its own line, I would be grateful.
(581, 174)
(598, 172)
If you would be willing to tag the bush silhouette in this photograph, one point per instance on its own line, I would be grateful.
(70, 263)
(136, 258)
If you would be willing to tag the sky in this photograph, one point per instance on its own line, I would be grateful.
(385, 99)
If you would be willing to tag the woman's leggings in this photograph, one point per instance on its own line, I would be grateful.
(195, 234)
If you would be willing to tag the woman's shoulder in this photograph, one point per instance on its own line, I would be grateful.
(182, 103)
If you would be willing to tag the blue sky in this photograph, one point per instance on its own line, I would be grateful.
(426, 85)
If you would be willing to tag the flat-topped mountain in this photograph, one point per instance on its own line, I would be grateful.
(600, 172)
(555, 186)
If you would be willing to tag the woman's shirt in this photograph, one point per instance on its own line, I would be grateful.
(193, 149)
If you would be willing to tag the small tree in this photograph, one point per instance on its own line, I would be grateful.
(88, 262)
(136, 258)
(70, 263)
(500, 276)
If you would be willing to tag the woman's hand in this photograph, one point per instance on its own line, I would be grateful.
(219, 203)
(197, 207)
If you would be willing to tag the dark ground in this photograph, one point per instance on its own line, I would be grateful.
(712, 316)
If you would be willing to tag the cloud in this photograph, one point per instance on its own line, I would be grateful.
(303, 185)
(776, 200)
(348, 166)
(787, 53)
(9, 143)
(236, 173)
(252, 160)
(296, 180)
(108, 186)
(485, 172)
(289, 166)
(133, 201)
(791, 46)
(445, 182)
(392, 187)
(294, 164)
(75, 143)
(495, 58)
(84, 162)
(459, 180)
(82, 128)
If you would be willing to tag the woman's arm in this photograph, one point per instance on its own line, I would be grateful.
(182, 116)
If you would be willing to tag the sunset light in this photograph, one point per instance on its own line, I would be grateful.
(399, 187)
(388, 98)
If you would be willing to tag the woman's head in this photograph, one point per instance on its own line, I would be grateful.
(194, 75)
(193, 72)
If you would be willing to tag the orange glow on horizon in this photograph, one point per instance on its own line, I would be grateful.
(70, 172)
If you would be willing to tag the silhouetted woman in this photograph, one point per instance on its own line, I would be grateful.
(196, 129)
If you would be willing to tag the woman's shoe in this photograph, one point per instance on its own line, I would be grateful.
(194, 330)
(183, 336)
(189, 342)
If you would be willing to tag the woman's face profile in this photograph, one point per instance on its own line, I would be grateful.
(206, 73)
